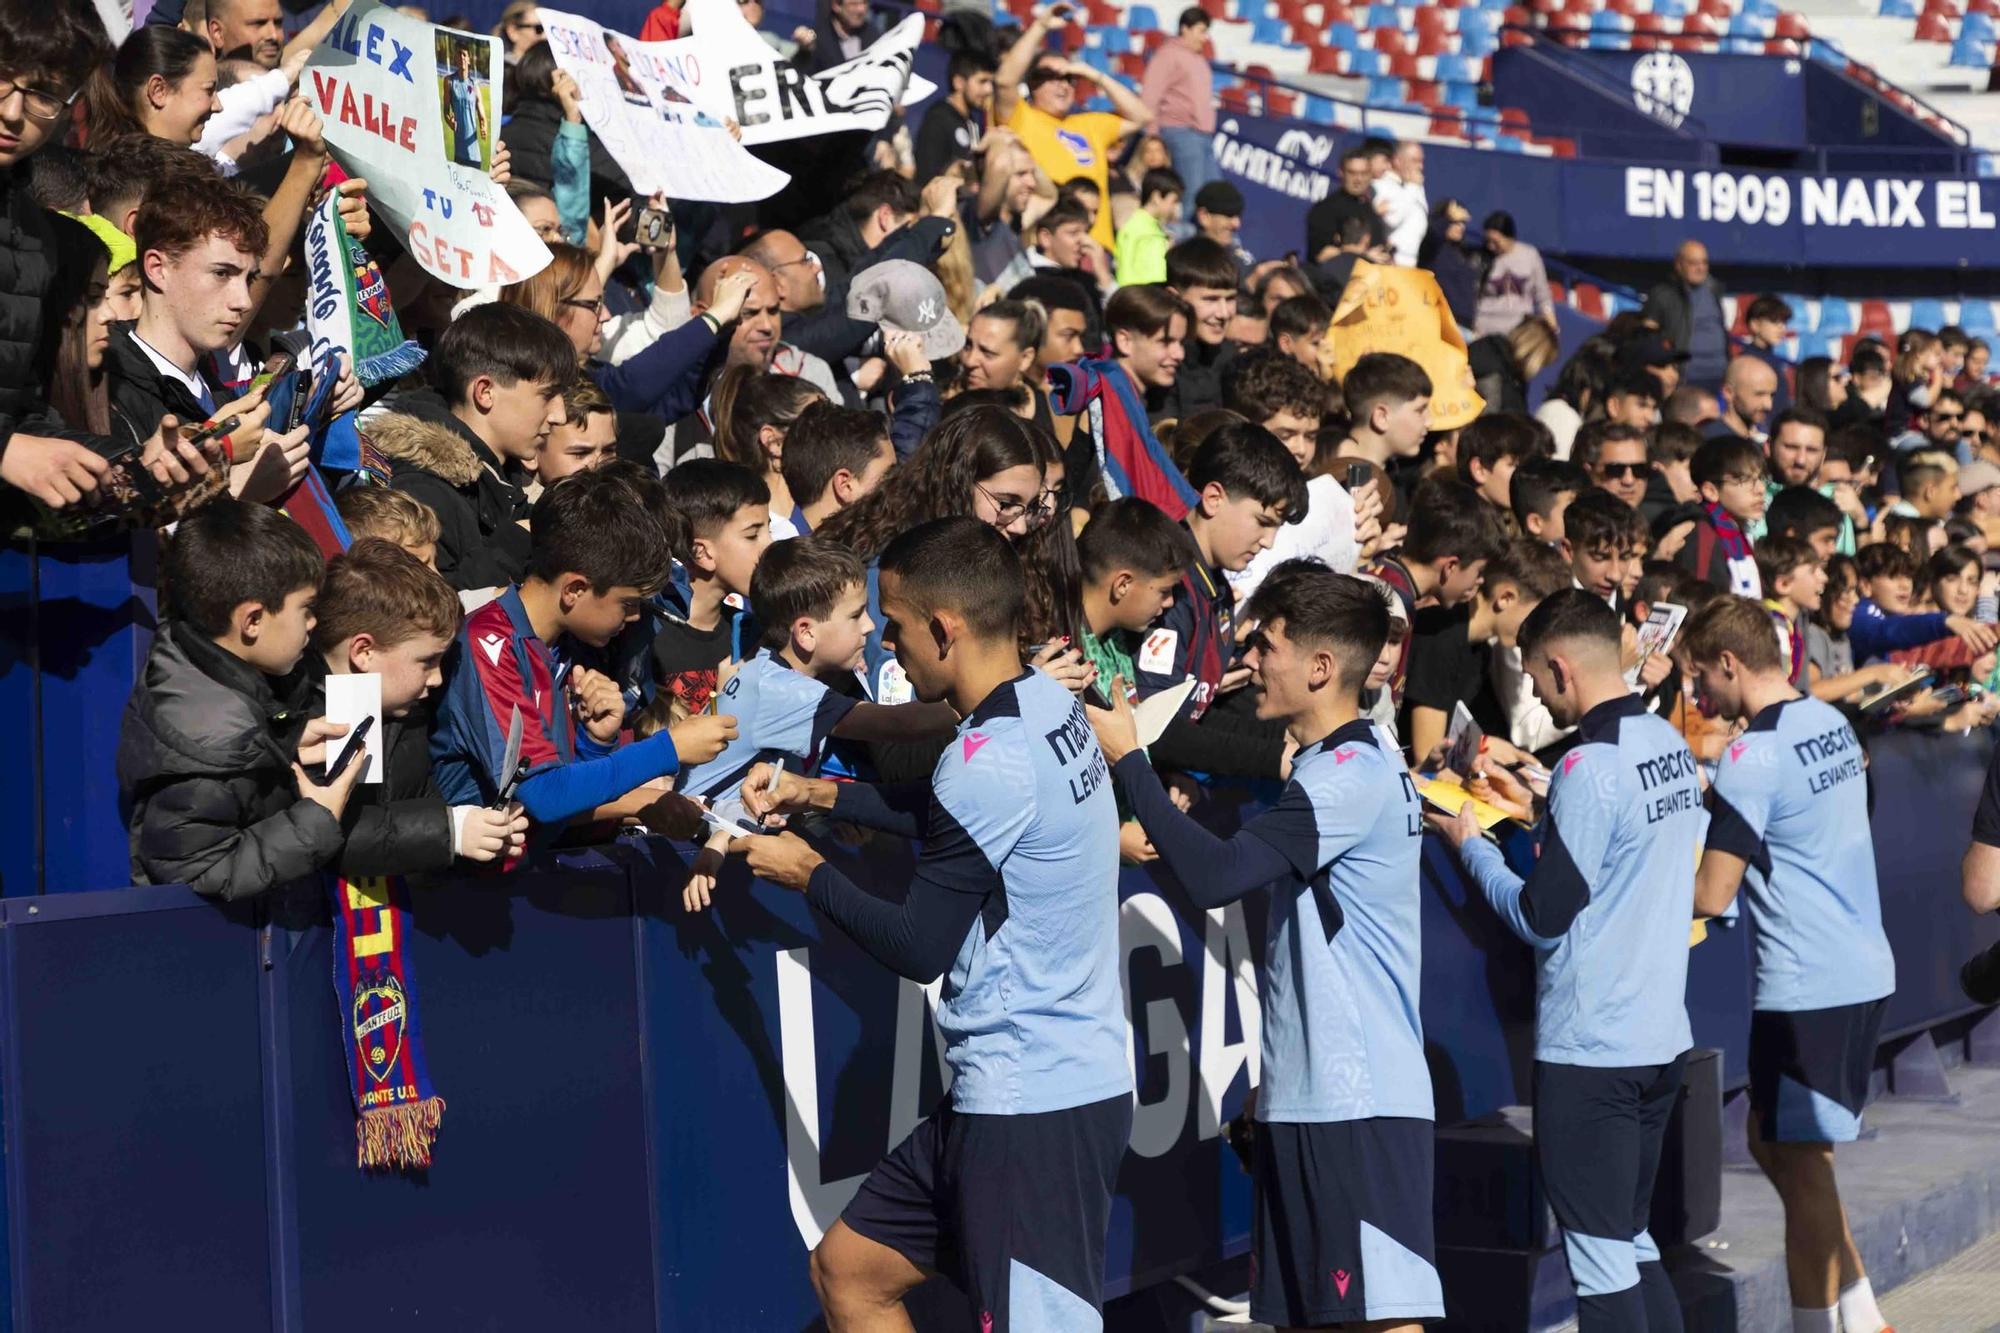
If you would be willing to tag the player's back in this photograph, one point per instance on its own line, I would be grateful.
(1033, 1011)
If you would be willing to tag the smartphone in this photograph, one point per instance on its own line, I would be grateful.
(1357, 476)
(281, 363)
(655, 225)
(301, 400)
(1096, 698)
(357, 741)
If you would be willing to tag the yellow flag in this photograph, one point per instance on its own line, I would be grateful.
(1401, 310)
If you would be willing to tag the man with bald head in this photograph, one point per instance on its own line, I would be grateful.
(738, 297)
(1747, 389)
(1688, 309)
(252, 28)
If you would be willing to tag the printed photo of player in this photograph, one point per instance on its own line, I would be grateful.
(465, 92)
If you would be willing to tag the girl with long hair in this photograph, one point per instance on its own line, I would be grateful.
(753, 410)
(162, 82)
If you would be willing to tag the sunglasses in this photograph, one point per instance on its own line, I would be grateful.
(1619, 471)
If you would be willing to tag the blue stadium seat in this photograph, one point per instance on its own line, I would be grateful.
(1142, 18)
(1976, 317)
(1115, 41)
(1382, 16)
(1479, 43)
(1835, 317)
(1271, 32)
(1900, 9)
(1605, 20)
(1819, 344)
(1342, 37)
(1318, 110)
(1455, 68)
(1927, 313)
(1361, 64)
(1763, 9)
(1673, 9)
(1971, 55)
(1464, 96)
(1479, 20)
(1743, 46)
(1097, 58)
(1099, 102)
(1976, 27)
(1384, 89)
(1507, 143)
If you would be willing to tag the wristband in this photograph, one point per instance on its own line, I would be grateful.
(923, 376)
(714, 324)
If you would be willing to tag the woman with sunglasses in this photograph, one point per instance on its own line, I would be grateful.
(984, 463)
(519, 29)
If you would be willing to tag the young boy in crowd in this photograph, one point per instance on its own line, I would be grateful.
(596, 558)
(833, 457)
(1142, 241)
(1883, 621)
(215, 735)
(396, 517)
(1802, 514)
(1247, 485)
(500, 372)
(1540, 492)
(586, 438)
(1490, 450)
(1929, 482)
(1788, 822)
(383, 612)
(1388, 408)
(1670, 450)
(811, 599)
(728, 513)
(1596, 526)
(1729, 471)
(1286, 399)
(1794, 582)
(1452, 534)
(1452, 647)
(1344, 1151)
(1298, 327)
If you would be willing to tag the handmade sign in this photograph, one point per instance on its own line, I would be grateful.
(1387, 309)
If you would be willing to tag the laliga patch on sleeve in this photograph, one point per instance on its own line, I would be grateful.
(891, 685)
(1156, 654)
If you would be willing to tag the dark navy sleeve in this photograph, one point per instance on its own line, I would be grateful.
(1217, 871)
(916, 411)
(665, 378)
(953, 885)
(902, 808)
(1986, 820)
(1739, 804)
(1162, 659)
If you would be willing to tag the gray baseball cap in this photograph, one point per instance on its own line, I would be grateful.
(905, 297)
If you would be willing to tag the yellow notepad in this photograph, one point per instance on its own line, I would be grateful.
(1449, 796)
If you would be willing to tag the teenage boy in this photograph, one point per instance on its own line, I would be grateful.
(1729, 471)
(1594, 524)
(1452, 647)
(198, 244)
(597, 557)
(1540, 493)
(1804, 515)
(1142, 241)
(1794, 585)
(1146, 327)
(1388, 408)
(1342, 1172)
(833, 457)
(214, 736)
(1203, 274)
(811, 599)
(1298, 328)
(1883, 622)
(728, 513)
(1606, 909)
(499, 371)
(394, 516)
(1788, 822)
(587, 436)
(383, 612)
(1929, 482)
(1133, 558)
(1670, 451)
(1490, 448)
(1006, 1187)
(952, 127)
(1286, 399)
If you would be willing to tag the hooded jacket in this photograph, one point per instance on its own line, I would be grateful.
(205, 764)
(478, 500)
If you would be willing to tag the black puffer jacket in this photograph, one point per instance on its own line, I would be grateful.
(401, 825)
(205, 762)
(479, 505)
(27, 264)
(140, 393)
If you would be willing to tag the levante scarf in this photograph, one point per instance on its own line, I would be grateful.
(348, 310)
(1130, 458)
(397, 1108)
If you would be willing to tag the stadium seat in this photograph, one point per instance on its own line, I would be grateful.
(1834, 318)
(1926, 313)
(1976, 317)
(1876, 321)
(1141, 18)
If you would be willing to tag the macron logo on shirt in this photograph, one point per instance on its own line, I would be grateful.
(1571, 760)
(974, 742)
(1736, 750)
(1342, 755)
(491, 644)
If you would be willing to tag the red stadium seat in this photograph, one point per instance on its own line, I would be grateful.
(1933, 28)
(1792, 26)
(1877, 321)
(1326, 60)
(1388, 40)
(1588, 299)
(1280, 102)
(1235, 99)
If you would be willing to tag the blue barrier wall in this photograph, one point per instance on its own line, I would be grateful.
(652, 1114)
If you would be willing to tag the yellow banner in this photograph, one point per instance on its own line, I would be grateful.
(1401, 310)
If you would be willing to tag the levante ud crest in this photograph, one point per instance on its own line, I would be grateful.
(379, 1012)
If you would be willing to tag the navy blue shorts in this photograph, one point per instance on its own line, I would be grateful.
(1341, 1229)
(1012, 1208)
(1809, 1070)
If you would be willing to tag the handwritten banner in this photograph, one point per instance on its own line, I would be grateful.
(415, 109)
(629, 89)
(1401, 310)
(728, 71)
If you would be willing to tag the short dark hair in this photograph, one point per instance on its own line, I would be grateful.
(1634, 384)
(1536, 568)
(826, 439)
(969, 61)
(587, 524)
(1201, 262)
(1951, 335)
(131, 164)
(1917, 470)
(59, 178)
(1133, 534)
(227, 553)
(806, 576)
(1499, 220)
(878, 188)
(1495, 436)
(1735, 625)
(64, 42)
(1768, 306)
(1800, 511)
(1539, 481)
(1869, 358)
(508, 344)
(1722, 457)
(1221, 198)
(1194, 16)
(1324, 609)
(1595, 520)
(1246, 460)
(1672, 442)
(1383, 377)
(1146, 309)
(1799, 416)
(1779, 556)
(1160, 182)
(1299, 316)
(377, 588)
(960, 564)
(1594, 435)
(1262, 383)
(1879, 560)
(650, 494)
(1448, 518)
(709, 491)
(1061, 215)
(1573, 614)
(1053, 292)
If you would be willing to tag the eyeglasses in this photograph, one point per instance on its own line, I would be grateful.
(39, 103)
(1618, 471)
(807, 258)
(594, 307)
(1946, 418)
(1007, 508)
(535, 28)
